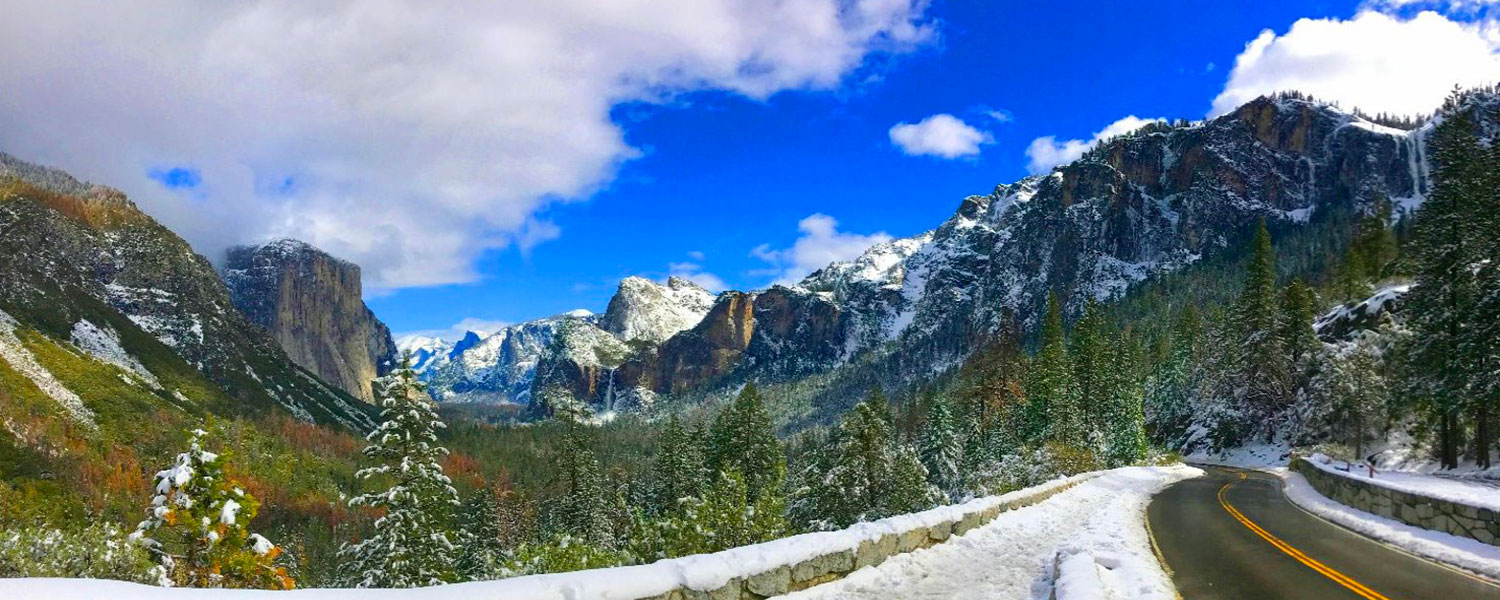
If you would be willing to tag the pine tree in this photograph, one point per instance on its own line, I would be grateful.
(1261, 380)
(482, 549)
(1173, 385)
(909, 489)
(1299, 341)
(1446, 247)
(942, 450)
(742, 438)
(678, 472)
(1090, 351)
(1050, 412)
(582, 511)
(411, 544)
(1359, 393)
(196, 526)
(1351, 280)
(1123, 426)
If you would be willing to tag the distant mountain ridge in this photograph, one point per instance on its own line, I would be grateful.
(1133, 208)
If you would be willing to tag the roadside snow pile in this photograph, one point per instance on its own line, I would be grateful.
(1442, 488)
(1465, 553)
(1095, 531)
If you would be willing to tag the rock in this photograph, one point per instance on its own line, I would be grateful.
(311, 303)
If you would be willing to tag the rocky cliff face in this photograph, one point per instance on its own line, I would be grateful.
(83, 258)
(311, 303)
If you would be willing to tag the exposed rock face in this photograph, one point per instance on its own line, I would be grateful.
(311, 303)
(1346, 322)
(75, 252)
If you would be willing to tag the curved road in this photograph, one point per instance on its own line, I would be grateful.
(1233, 534)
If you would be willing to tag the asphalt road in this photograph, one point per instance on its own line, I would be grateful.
(1233, 534)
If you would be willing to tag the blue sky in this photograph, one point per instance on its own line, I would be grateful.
(722, 174)
(503, 161)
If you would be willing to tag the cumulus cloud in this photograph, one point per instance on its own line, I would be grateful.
(694, 272)
(457, 331)
(407, 137)
(1374, 61)
(819, 244)
(942, 135)
(1046, 152)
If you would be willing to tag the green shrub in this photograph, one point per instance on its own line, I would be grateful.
(97, 551)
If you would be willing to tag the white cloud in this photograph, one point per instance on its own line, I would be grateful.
(456, 331)
(694, 272)
(405, 136)
(820, 244)
(1046, 152)
(941, 135)
(1375, 61)
(697, 255)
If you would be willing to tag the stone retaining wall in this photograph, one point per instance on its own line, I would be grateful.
(829, 567)
(1449, 517)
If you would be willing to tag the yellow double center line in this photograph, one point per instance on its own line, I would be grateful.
(1287, 549)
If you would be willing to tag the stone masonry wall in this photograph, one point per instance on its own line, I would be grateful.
(1453, 518)
(829, 567)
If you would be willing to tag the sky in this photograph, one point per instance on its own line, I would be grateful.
(490, 163)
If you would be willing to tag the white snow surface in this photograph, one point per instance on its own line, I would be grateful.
(1102, 517)
(1464, 553)
(1442, 488)
(12, 351)
(103, 344)
(1254, 456)
(1096, 531)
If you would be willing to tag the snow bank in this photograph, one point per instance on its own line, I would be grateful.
(1090, 540)
(699, 572)
(1441, 488)
(1464, 553)
(1254, 456)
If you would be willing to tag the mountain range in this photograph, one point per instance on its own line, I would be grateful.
(282, 324)
(1130, 210)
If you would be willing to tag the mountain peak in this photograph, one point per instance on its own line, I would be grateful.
(642, 309)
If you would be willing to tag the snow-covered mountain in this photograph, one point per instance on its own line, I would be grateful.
(646, 310)
(1137, 206)
(502, 367)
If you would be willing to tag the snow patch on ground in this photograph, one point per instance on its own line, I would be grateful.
(104, 344)
(14, 352)
(1464, 553)
(1098, 524)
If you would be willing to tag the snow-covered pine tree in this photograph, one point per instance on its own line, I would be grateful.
(742, 438)
(678, 472)
(411, 544)
(1359, 393)
(909, 490)
(196, 526)
(1050, 414)
(1446, 246)
(583, 510)
(481, 552)
(1172, 387)
(941, 450)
